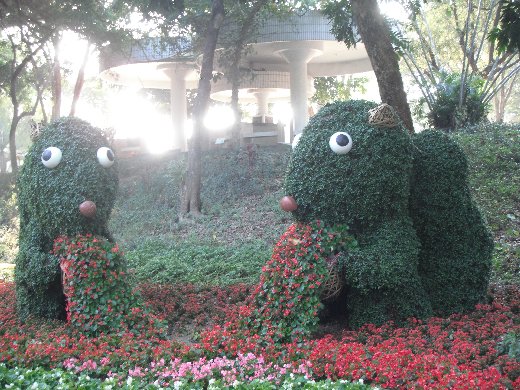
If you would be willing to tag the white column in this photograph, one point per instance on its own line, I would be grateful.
(178, 107)
(298, 59)
(262, 103)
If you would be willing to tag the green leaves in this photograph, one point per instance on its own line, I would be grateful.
(507, 34)
(456, 245)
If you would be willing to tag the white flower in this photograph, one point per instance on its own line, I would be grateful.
(177, 385)
(129, 381)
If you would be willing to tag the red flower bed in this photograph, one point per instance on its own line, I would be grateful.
(187, 307)
(458, 352)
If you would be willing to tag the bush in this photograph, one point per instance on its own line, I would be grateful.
(493, 153)
(510, 345)
(445, 113)
(9, 221)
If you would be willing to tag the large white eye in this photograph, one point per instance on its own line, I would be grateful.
(340, 142)
(295, 140)
(51, 157)
(105, 156)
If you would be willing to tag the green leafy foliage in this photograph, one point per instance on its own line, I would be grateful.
(456, 246)
(493, 153)
(329, 89)
(9, 221)
(507, 33)
(49, 200)
(239, 199)
(445, 112)
(383, 276)
(362, 188)
(99, 298)
(510, 345)
(367, 189)
(203, 264)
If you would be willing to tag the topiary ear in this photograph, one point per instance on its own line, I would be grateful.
(383, 115)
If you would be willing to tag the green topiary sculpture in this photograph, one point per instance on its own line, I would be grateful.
(67, 186)
(347, 170)
(456, 246)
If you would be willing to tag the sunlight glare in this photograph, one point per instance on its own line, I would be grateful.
(72, 52)
(394, 10)
(282, 113)
(134, 116)
(219, 118)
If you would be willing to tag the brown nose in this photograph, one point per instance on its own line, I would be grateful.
(288, 203)
(88, 209)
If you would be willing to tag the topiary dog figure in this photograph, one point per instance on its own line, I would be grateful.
(67, 186)
(345, 170)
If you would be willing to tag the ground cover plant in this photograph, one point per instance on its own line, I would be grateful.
(494, 163)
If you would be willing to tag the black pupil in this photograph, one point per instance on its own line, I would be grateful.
(46, 155)
(342, 140)
(110, 155)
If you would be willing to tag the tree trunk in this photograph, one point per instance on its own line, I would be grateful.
(376, 38)
(3, 167)
(237, 124)
(502, 97)
(499, 106)
(56, 80)
(3, 162)
(12, 144)
(80, 80)
(190, 194)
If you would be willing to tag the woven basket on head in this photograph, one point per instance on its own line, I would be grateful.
(334, 281)
(383, 115)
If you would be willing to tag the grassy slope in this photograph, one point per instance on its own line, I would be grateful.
(242, 220)
(233, 239)
(494, 159)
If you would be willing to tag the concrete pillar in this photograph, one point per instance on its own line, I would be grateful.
(261, 102)
(177, 74)
(298, 59)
